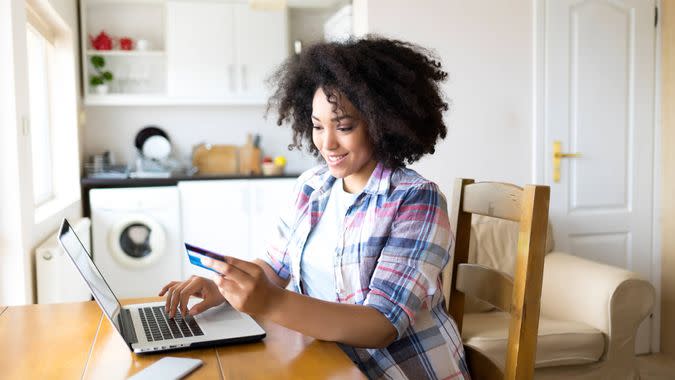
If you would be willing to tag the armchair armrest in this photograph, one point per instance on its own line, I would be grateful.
(611, 299)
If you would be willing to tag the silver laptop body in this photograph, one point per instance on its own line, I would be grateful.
(145, 327)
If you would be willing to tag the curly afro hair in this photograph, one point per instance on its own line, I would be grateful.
(393, 84)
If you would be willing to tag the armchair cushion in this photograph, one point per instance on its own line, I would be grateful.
(494, 244)
(559, 342)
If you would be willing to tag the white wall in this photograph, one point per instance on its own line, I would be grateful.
(114, 129)
(19, 233)
(11, 237)
(306, 24)
(486, 47)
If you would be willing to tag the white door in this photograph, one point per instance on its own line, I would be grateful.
(200, 55)
(599, 102)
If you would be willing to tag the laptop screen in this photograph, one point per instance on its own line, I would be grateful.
(99, 288)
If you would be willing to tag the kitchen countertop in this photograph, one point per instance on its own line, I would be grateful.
(91, 183)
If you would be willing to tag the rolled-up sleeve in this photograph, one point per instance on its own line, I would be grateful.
(407, 272)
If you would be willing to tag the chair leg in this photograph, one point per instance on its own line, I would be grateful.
(481, 366)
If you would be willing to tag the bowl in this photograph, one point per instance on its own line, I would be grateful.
(270, 168)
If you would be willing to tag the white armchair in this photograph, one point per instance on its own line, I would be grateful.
(590, 312)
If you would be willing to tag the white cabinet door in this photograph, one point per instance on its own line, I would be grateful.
(200, 56)
(261, 44)
(215, 215)
(269, 198)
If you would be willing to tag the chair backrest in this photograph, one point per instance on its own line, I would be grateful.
(519, 296)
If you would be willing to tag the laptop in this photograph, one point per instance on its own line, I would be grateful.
(146, 327)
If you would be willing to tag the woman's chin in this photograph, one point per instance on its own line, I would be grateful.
(336, 172)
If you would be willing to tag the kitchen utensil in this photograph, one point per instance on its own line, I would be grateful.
(156, 147)
(215, 159)
(142, 44)
(249, 157)
(101, 42)
(126, 43)
(270, 168)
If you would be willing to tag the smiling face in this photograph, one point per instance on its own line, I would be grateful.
(342, 139)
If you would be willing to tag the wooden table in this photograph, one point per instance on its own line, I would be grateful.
(75, 340)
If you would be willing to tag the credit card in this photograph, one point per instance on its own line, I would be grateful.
(196, 254)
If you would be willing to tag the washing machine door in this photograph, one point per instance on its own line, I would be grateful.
(136, 241)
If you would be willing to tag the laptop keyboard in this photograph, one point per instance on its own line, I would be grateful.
(158, 326)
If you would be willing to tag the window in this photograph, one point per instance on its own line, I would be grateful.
(51, 117)
(40, 53)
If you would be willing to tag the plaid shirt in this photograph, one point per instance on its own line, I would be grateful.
(389, 256)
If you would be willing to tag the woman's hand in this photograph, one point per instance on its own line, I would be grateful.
(245, 285)
(178, 294)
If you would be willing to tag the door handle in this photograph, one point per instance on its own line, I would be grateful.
(558, 155)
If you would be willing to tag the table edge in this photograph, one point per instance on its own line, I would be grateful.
(91, 347)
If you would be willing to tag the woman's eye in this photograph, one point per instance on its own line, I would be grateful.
(317, 127)
(345, 128)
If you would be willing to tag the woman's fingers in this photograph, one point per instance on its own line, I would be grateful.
(169, 293)
(167, 287)
(175, 297)
(227, 287)
(246, 266)
(242, 283)
(217, 265)
(241, 271)
(194, 287)
(198, 308)
(231, 272)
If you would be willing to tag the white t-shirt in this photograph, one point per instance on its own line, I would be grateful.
(317, 263)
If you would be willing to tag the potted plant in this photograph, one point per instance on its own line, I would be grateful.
(99, 80)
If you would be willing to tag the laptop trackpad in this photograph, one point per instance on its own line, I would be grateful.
(220, 313)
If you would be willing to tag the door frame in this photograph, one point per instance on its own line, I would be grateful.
(539, 145)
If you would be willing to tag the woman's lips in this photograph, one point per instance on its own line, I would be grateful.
(335, 159)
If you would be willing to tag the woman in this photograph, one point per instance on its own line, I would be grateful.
(366, 239)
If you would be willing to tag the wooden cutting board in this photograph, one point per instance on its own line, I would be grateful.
(216, 159)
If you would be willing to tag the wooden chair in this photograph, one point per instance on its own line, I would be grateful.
(519, 296)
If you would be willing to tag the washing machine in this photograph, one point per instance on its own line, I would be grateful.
(136, 238)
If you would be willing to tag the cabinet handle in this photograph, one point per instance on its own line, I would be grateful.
(244, 84)
(230, 69)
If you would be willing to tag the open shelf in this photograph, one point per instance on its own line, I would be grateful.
(127, 53)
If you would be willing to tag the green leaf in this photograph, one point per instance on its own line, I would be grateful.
(95, 81)
(97, 61)
(107, 75)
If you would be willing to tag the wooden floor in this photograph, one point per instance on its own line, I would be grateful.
(656, 367)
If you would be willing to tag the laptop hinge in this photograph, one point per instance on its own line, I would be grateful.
(127, 326)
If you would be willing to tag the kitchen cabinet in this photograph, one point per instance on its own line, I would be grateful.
(200, 57)
(222, 50)
(235, 217)
(261, 44)
(211, 52)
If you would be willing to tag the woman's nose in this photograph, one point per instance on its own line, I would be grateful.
(330, 140)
